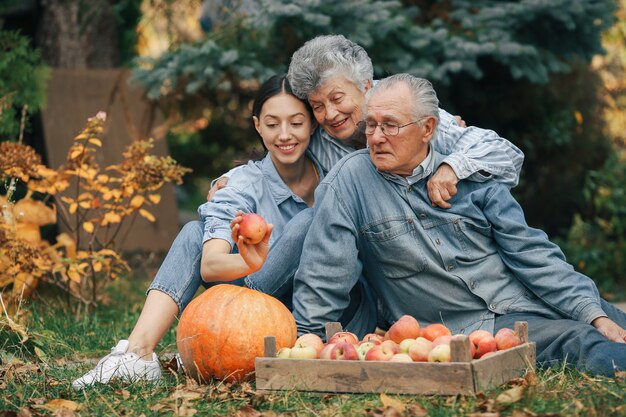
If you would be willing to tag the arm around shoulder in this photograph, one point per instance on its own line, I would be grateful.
(477, 154)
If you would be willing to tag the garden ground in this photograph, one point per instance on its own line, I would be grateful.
(36, 375)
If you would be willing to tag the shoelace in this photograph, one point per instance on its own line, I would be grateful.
(107, 363)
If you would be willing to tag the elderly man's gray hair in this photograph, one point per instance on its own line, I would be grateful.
(425, 101)
(327, 56)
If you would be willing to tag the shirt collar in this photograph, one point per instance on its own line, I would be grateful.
(423, 170)
(280, 191)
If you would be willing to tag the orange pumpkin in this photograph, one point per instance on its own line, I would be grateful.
(222, 331)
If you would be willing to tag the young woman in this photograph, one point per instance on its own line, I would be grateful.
(277, 187)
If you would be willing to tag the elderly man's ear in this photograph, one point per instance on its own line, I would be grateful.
(429, 126)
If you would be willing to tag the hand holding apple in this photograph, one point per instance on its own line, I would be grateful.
(252, 228)
(253, 254)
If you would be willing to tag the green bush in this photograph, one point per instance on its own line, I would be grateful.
(596, 242)
(22, 82)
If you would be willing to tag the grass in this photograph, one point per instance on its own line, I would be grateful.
(36, 375)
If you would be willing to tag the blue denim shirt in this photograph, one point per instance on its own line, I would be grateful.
(460, 266)
(255, 187)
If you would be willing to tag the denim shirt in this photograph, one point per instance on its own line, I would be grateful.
(460, 266)
(469, 151)
(254, 187)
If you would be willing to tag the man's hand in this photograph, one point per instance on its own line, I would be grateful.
(218, 185)
(609, 329)
(460, 121)
(442, 186)
(253, 255)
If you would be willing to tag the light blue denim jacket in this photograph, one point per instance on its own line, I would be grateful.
(255, 187)
(459, 266)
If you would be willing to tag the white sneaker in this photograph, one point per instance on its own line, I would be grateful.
(128, 367)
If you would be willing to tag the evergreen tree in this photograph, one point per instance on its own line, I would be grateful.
(518, 67)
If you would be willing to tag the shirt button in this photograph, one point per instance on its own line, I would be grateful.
(410, 221)
(422, 216)
(450, 267)
(492, 306)
(437, 241)
(472, 284)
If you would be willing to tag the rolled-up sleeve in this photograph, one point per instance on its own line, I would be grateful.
(477, 154)
(218, 213)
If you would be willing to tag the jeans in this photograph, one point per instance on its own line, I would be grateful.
(276, 276)
(179, 274)
(574, 342)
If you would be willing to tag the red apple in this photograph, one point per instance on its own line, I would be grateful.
(433, 331)
(405, 328)
(484, 342)
(401, 357)
(346, 337)
(379, 353)
(344, 351)
(325, 353)
(374, 338)
(442, 340)
(488, 354)
(439, 353)
(391, 345)
(420, 349)
(506, 339)
(363, 348)
(252, 228)
(312, 340)
(476, 335)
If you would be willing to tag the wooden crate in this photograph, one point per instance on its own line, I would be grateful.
(461, 376)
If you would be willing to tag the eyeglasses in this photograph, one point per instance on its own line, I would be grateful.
(388, 129)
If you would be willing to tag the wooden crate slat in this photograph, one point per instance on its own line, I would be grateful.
(503, 366)
(365, 377)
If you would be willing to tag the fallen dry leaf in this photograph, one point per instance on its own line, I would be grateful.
(392, 402)
(59, 403)
(24, 412)
(531, 378)
(391, 412)
(483, 415)
(510, 396)
(517, 413)
(247, 411)
(416, 410)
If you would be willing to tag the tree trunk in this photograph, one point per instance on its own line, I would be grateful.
(78, 34)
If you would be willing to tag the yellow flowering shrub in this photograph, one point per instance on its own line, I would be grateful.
(92, 202)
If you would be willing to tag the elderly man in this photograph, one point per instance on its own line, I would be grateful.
(475, 265)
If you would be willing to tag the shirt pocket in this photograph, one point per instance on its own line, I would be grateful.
(392, 248)
(475, 237)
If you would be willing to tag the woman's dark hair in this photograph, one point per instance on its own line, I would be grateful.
(278, 84)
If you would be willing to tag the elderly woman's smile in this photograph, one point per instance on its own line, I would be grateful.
(338, 107)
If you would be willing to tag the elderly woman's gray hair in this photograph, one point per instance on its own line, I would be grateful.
(425, 101)
(325, 57)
